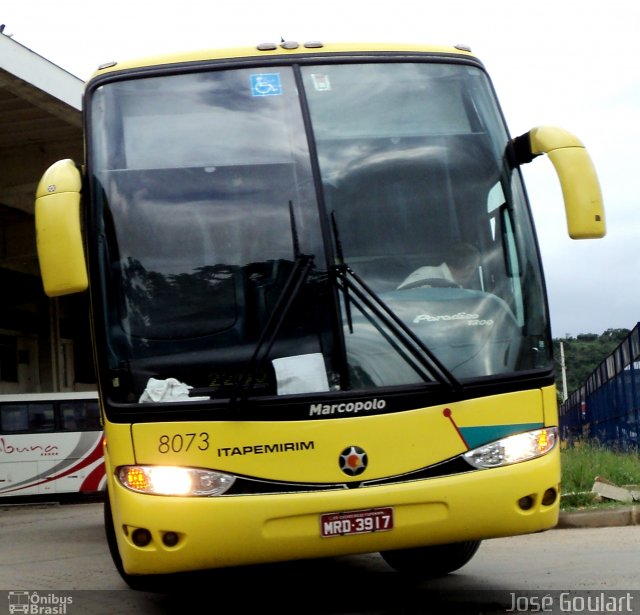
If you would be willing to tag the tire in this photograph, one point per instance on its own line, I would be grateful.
(431, 562)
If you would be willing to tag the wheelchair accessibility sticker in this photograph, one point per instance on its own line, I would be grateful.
(266, 84)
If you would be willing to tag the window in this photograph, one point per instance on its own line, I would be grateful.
(80, 416)
(26, 417)
(8, 359)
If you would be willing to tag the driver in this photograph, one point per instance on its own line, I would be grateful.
(463, 263)
(459, 270)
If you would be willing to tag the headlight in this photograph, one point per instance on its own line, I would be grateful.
(173, 480)
(514, 449)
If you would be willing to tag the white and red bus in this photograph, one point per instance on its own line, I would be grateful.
(50, 444)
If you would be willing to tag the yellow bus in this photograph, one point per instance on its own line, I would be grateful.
(318, 309)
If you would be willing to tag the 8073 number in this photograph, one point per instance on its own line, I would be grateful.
(183, 442)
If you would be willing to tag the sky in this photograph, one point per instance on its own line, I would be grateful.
(561, 63)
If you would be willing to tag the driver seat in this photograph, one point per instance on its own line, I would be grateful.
(429, 276)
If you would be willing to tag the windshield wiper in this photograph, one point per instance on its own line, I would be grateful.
(303, 263)
(296, 279)
(351, 283)
(243, 384)
(339, 267)
(302, 266)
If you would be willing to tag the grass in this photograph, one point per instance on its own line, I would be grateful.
(585, 461)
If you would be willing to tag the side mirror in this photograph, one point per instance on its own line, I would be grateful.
(577, 175)
(58, 230)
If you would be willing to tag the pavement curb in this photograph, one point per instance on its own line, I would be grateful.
(615, 517)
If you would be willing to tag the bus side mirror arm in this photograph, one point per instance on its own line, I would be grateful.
(577, 175)
(58, 230)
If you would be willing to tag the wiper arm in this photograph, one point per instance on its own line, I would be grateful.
(350, 281)
(245, 381)
(340, 265)
(298, 276)
(303, 264)
(413, 344)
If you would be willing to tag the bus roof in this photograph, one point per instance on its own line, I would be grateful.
(285, 48)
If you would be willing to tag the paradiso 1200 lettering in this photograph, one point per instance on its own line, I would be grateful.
(472, 320)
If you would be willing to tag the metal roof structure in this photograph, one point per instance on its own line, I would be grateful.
(40, 122)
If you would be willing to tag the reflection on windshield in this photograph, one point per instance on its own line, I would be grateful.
(430, 220)
(209, 201)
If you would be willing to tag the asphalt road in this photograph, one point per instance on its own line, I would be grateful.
(58, 553)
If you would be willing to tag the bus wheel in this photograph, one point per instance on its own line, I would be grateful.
(431, 562)
(142, 583)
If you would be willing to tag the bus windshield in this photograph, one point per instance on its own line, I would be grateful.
(308, 228)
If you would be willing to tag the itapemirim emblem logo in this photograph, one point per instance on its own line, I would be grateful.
(353, 460)
(38, 603)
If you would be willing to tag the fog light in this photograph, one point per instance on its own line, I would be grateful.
(526, 503)
(549, 497)
(141, 537)
(170, 539)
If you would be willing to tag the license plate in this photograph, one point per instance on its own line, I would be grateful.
(356, 522)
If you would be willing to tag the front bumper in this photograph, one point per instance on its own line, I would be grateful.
(214, 532)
